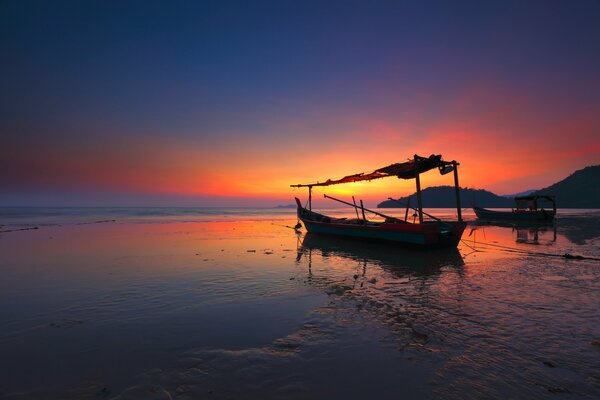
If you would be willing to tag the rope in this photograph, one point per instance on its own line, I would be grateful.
(472, 248)
(533, 253)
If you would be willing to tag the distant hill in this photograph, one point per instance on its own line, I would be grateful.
(443, 197)
(525, 193)
(579, 190)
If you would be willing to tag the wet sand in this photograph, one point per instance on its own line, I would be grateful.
(245, 308)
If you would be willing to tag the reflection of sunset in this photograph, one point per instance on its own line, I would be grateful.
(226, 281)
(489, 242)
(151, 244)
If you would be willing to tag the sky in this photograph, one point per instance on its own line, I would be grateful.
(208, 103)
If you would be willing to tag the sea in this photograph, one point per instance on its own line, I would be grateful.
(232, 303)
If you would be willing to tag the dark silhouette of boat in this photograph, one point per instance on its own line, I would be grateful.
(431, 233)
(384, 254)
(527, 210)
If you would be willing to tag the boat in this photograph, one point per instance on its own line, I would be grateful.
(426, 233)
(526, 210)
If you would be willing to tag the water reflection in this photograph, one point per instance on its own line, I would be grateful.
(581, 228)
(382, 282)
(532, 235)
(218, 303)
(400, 261)
(525, 232)
(522, 316)
(577, 228)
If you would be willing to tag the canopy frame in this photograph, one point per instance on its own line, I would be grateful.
(410, 169)
(534, 199)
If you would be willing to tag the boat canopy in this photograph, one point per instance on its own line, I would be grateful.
(405, 170)
(535, 197)
(531, 202)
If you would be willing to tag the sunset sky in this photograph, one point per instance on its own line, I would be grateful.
(228, 103)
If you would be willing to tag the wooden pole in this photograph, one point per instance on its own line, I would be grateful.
(355, 208)
(310, 198)
(363, 211)
(407, 207)
(366, 209)
(419, 199)
(457, 190)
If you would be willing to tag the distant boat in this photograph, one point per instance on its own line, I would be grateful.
(433, 233)
(526, 210)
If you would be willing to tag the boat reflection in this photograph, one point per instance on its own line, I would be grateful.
(385, 283)
(526, 233)
(398, 260)
(536, 235)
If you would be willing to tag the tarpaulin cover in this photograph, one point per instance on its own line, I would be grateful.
(404, 170)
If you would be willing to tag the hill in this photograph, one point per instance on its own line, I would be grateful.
(581, 189)
(525, 193)
(443, 197)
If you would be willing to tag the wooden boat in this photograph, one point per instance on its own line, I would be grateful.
(526, 210)
(433, 233)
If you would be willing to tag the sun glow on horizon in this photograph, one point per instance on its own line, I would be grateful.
(244, 109)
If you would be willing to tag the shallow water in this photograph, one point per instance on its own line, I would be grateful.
(232, 304)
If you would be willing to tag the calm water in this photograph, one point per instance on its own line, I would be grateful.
(161, 303)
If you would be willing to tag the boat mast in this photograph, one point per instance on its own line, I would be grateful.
(310, 197)
(419, 200)
(457, 190)
(362, 206)
(356, 208)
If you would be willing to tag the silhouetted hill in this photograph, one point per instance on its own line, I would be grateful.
(525, 193)
(443, 197)
(579, 190)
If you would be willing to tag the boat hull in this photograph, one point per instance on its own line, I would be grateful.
(522, 216)
(420, 235)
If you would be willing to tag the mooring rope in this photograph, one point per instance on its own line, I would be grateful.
(533, 253)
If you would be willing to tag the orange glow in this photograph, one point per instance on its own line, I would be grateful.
(494, 154)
